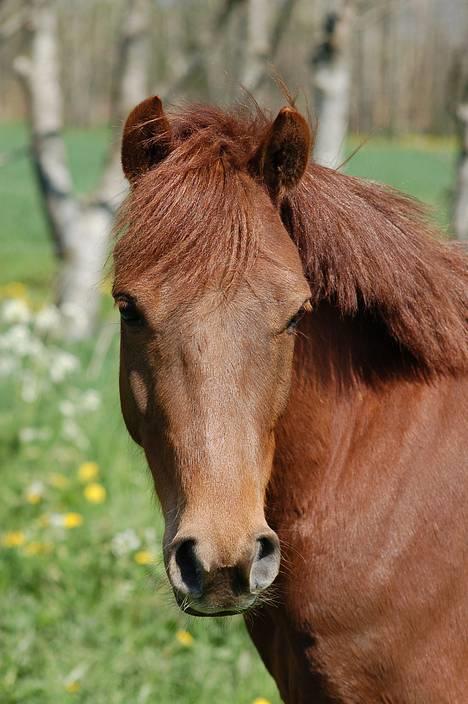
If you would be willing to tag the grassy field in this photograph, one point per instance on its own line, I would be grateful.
(86, 613)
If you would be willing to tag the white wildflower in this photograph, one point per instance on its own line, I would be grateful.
(124, 589)
(74, 317)
(62, 364)
(17, 339)
(90, 400)
(67, 408)
(28, 435)
(8, 365)
(31, 387)
(55, 520)
(35, 492)
(15, 310)
(36, 350)
(125, 542)
(48, 320)
(71, 431)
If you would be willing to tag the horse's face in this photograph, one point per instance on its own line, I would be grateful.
(203, 380)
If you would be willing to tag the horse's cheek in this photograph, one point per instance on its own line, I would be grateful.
(133, 402)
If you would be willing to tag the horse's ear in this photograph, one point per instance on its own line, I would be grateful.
(281, 158)
(146, 138)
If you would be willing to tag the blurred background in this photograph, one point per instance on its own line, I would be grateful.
(86, 613)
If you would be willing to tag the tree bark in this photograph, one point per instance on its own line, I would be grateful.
(257, 48)
(460, 215)
(194, 61)
(332, 83)
(264, 35)
(80, 229)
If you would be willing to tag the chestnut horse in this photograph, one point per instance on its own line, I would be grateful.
(293, 362)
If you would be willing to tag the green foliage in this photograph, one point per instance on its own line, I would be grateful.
(86, 611)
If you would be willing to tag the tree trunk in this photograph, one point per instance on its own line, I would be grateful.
(332, 82)
(263, 38)
(460, 215)
(80, 230)
(258, 44)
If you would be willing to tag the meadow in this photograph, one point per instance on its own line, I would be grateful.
(86, 614)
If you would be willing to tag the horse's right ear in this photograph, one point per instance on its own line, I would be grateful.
(146, 138)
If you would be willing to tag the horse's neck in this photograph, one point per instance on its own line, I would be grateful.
(350, 394)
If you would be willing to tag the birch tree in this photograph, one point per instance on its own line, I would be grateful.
(265, 30)
(460, 214)
(332, 85)
(79, 227)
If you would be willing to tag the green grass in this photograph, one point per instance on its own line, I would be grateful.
(423, 168)
(78, 621)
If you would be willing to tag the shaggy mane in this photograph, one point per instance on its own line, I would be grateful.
(366, 249)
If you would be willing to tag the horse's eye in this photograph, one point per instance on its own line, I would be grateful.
(129, 313)
(297, 317)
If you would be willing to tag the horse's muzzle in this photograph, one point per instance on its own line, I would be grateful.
(211, 590)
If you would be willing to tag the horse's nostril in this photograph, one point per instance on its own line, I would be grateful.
(190, 573)
(266, 547)
(265, 565)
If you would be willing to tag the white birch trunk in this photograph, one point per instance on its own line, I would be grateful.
(257, 43)
(80, 230)
(460, 215)
(263, 37)
(332, 87)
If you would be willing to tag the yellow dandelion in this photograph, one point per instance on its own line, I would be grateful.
(36, 548)
(72, 520)
(13, 539)
(143, 557)
(15, 289)
(185, 638)
(57, 480)
(95, 493)
(33, 498)
(261, 700)
(87, 471)
(72, 687)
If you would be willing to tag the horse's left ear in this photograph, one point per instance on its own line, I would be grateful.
(281, 158)
(146, 138)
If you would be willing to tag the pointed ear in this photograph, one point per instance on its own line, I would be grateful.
(146, 138)
(281, 159)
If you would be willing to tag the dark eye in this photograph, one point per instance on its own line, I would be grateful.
(297, 317)
(129, 312)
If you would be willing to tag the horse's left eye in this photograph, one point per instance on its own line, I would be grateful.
(297, 317)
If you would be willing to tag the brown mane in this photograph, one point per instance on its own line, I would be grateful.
(367, 249)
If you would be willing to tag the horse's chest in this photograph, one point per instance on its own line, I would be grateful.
(379, 624)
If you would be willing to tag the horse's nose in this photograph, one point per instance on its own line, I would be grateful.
(186, 570)
(206, 581)
(266, 562)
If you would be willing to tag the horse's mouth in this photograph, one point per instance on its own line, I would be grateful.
(208, 611)
(214, 614)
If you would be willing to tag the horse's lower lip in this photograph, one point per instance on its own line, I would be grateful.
(214, 614)
(211, 612)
